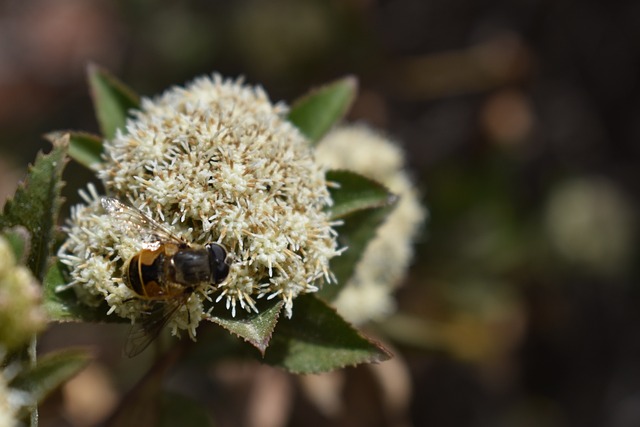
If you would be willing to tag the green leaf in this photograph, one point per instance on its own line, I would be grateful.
(50, 372)
(358, 229)
(177, 409)
(64, 306)
(20, 242)
(315, 113)
(317, 339)
(85, 148)
(352, 192)
(36, 204)
(254, 328)
(112, 100)
(362, 204)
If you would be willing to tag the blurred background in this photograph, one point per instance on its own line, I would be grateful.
(521, 122)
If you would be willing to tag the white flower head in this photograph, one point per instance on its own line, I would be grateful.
(214, 161)
(368, 294)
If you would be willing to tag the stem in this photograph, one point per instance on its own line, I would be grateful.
(31, 354)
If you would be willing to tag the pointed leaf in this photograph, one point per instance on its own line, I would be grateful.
(85, 148)
(317, 339)
(112, 100)
(36, 204)
(359, 228)
(64, 306)
(315, 113)
(50, 372)
(352, 192)
(255, 328)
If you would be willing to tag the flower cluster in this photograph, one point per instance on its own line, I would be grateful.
(21, 315)
(358, 148)
(214, 161)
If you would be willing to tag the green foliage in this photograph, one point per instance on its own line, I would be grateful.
(254, 328)
(50, 372)
(315, 113)
(36, 204)
(34, 208)
(63, 305)
(352, 192)
(112, 100)
(362, 204)
(85, 148)
(317, 339)
(355, 234)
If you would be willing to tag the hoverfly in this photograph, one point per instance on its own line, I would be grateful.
(164, 273)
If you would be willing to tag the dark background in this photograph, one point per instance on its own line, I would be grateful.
(521, 121)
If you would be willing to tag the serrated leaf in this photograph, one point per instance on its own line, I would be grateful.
(358, 229)
(316, 339)
(177, 409)
(51, 371)
(85, 148)
(352, 192)
(64, 306)
(112, 100)
(254, 328)
(36, 204)
(20, 242)
(315, 113)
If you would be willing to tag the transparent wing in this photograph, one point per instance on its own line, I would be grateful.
(135, 223)
(151, 324)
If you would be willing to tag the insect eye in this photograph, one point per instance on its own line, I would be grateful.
(217, 260)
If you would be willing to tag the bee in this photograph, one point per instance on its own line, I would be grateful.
(164, 273)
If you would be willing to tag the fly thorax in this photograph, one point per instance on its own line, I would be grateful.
(191, 267)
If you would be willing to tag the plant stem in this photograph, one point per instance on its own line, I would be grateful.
(31, 354)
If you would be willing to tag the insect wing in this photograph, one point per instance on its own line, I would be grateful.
(135, 223)
(151, 325)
